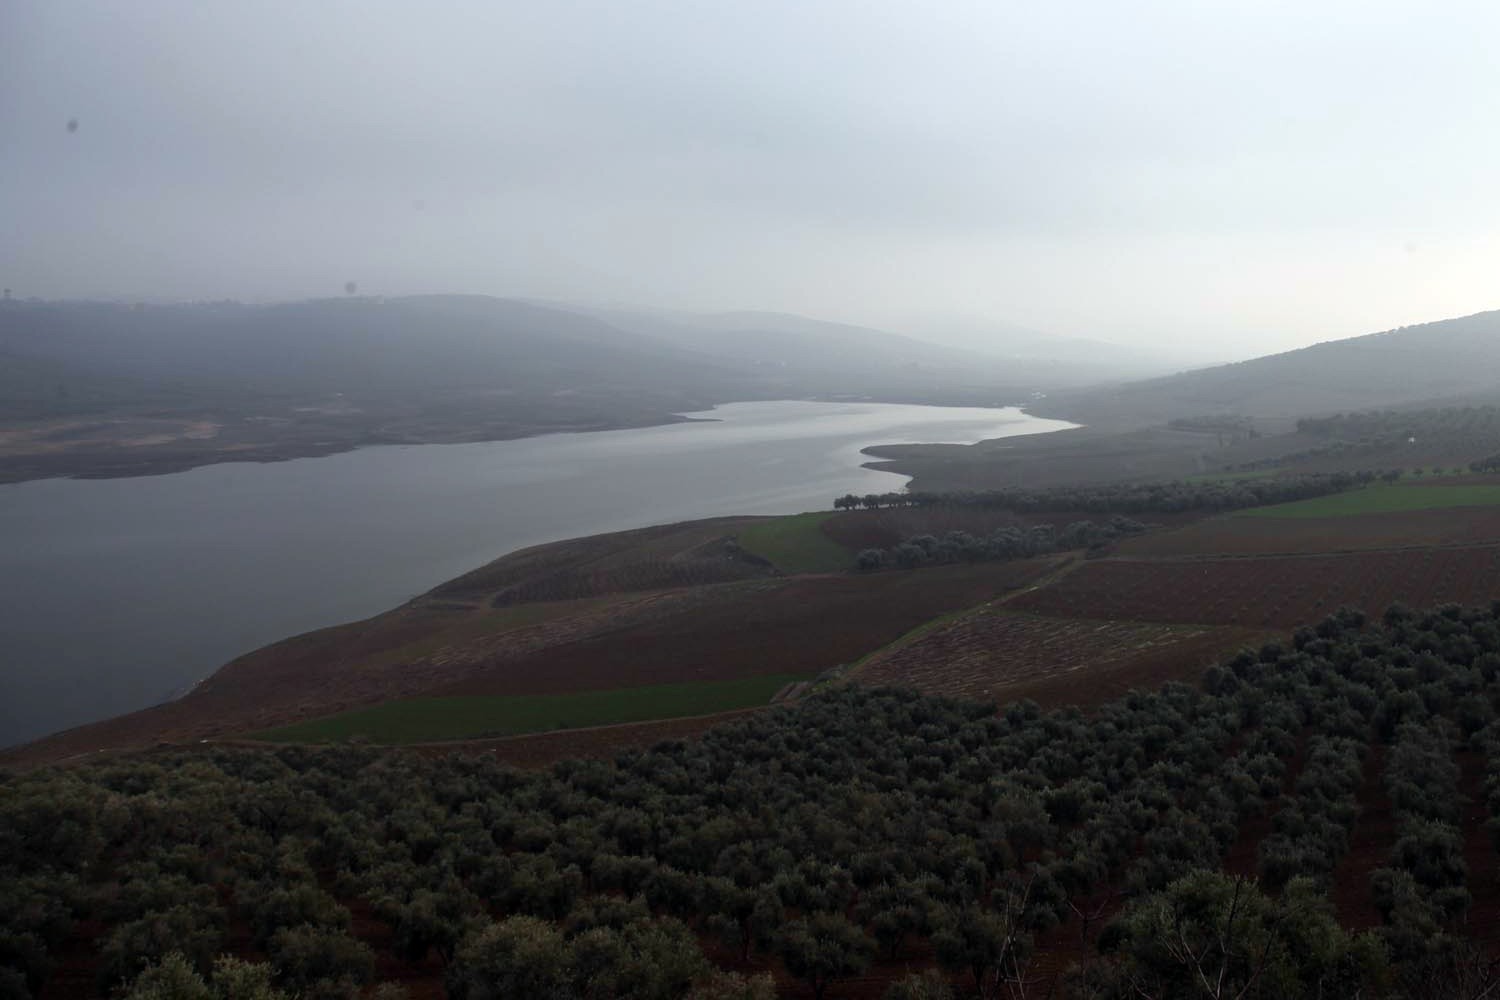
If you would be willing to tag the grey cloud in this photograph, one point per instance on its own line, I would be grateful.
(1143, 171)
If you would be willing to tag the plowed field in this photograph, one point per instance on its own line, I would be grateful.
(988, 653)
(1265, 536)
(800, 625)
(1279, 592)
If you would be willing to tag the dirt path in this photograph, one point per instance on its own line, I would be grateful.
(1243, 857)
(1370, 844)
(1479, 852)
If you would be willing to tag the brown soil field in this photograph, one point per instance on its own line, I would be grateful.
(1270, 592)
(801, 625)
(987, 653)
(787, 625)
(864, 529)
(674, 555)
(1230, 535)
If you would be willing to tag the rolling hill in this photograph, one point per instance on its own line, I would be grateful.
(108, 389)
(1431, 361)
(419, 345)
(797, 344)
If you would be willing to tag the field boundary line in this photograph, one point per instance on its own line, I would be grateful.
(1066, 565)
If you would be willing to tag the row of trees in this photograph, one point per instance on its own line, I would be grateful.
(1390, 436)
(806, 841)
(1011, 542)
(1129, 498)
(1404, 424)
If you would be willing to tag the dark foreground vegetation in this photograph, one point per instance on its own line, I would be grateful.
(861, 826)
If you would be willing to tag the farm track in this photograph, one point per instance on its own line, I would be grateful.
(856, 672)
(1243, 858)
(1480, 851)
(1370, 844)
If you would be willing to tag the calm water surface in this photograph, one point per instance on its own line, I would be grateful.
(117, 594)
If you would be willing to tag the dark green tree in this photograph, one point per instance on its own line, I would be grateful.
(822, 949)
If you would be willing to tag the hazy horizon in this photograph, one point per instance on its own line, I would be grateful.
(1200, 185)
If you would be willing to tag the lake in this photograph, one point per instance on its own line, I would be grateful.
(117, 594)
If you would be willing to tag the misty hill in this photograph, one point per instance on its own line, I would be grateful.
(94, 388)
(1084, 358)
(799, 345)
(412, 344)
(1432, 361)
(788, 342)
(459, 343)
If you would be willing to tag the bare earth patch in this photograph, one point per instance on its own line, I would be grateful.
(1269, 592)
(987, 653)
(1264, 536)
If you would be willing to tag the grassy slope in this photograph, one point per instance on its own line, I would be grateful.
(1383, 500)
(797, 544)
(417, 720)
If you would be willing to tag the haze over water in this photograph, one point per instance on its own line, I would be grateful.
(116, 594)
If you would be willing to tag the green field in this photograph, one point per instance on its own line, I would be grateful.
(1383, 500)
(419, 720)
(796, 544)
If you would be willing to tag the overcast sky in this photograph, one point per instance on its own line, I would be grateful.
(1238, 177)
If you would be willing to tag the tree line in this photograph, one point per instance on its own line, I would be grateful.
(1392, 437)
(1127, 498)
(1010, 542)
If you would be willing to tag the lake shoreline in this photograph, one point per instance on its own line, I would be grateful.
(116, 591)
(114, 455)
(120, 463)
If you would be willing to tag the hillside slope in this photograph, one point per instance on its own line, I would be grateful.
(110, 389)
(1417, 363)
(798, 345)
(414, 344)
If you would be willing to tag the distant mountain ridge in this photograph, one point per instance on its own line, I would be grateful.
(419, 343)
(1425, 363)
(799, 343)
(1024, 344)
(116, 389)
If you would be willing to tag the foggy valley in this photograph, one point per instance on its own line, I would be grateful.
(726, 501)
